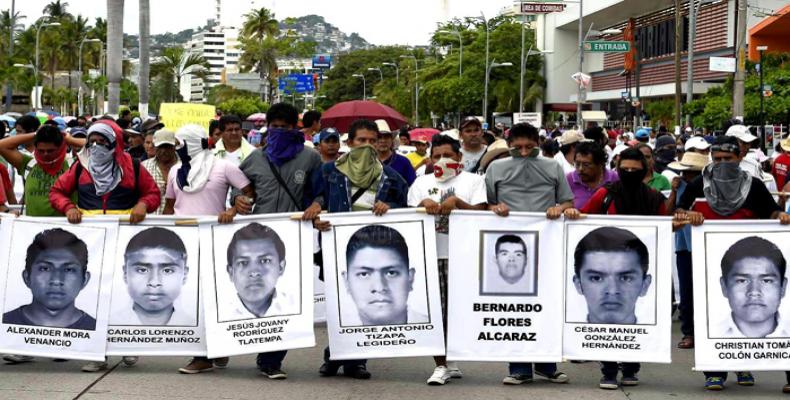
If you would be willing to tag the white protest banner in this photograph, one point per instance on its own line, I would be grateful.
(618, 288)
(740, 280)
(319, 298)
(56, 288)
(259, 292)
(505, 285)
(382, 292)
(156, 300)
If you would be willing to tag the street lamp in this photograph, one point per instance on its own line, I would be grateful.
(381, 74)
(397, 71)
(590, 33)
(523, 67)
(460, 51)
(416, 89)
(364, 90)
(491, 66)
(79, 90)
(694, 12)
(35, 90)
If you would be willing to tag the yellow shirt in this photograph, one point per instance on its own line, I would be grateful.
(415, 159)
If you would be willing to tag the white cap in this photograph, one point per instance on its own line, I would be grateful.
(696, 142)
(742, 133)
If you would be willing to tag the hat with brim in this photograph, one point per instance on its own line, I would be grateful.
(164, 136)
(131, 132)
(690, 162)
(470, 120)
(697, 143)
(570, 137)
(741, 132)
(384, 127)
(151, 124)
(494, 151)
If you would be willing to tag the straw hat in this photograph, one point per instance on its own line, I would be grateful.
(691, 162)
(493, 151)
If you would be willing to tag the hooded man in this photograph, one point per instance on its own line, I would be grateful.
(106, 180)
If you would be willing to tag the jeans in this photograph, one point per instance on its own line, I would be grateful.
(344, 363)
(271, 360)
(685, 282)
(609, 368)
(547, 369)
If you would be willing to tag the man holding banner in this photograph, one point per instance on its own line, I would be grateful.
(526, 182)
(729, 193)
(448, 188)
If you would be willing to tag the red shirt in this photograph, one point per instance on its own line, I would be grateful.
(780, 169)
(595, 203)
(6, 181)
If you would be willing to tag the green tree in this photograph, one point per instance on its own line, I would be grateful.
(222, 93)
(176, 63)
(243, 106)
(257, 39)
(661, 112)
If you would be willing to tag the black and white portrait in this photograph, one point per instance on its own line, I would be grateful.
(155, 285)
(55, 280)
(509, 264)
(610, 281)
(753, 281)
(381, 276)
(256, 280)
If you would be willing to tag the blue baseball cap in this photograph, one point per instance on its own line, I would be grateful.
(642, 134)
(328, 133)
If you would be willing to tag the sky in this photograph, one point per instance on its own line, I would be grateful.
(380, 22)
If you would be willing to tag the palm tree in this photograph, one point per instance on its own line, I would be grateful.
(74, 31)
(174, 64)
(259, 25)
(145, 66)
(57, 10)
(114, 53)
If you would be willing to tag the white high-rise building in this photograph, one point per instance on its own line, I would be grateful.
(220, 47)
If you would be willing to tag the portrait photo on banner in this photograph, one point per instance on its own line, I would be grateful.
(746, 277)
(157, 276)
(610, 274)
(54, 275)
(255, 273)
(508, 263)
(381, 277)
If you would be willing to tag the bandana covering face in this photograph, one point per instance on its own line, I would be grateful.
(104, 170)
(282, 145)
(361, 166)
(53, 167)
(196, 158)
(726, 187)
(446, 169)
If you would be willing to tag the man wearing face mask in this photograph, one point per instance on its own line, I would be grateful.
(106, 180)
(526, 182)
(282, 175)
(730, 193)
(665, 153)
(448, 188)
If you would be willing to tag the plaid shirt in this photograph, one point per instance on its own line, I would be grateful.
(161, 181)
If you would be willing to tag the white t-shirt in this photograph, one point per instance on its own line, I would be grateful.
(234, 157)
(470, 159)
(469, 187)
(567, 167)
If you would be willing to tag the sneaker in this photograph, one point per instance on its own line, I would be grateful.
(440, 376)
(632, 380)
(328, 369)
(608, 383)
(556, 377)
(94, 366)
(196, 366)
(356, 372)
(745, 378)
(274, 373)
(16, 359)
(686, 343)
(714, 383)
(454, 371)
(786, 388)
(129, 360)
(221, 362)
(517, 379)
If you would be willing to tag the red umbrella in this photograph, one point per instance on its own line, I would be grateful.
(423, 134)
(341, 115)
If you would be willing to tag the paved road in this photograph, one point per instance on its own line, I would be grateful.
(399, 379)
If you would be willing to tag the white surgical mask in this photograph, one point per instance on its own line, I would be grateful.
(446, 169)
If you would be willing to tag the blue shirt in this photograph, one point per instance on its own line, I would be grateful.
(682, 235)
(402, 166)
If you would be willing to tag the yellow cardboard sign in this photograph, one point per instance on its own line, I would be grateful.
(176, 115)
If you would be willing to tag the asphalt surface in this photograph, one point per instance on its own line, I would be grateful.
(400, 379)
